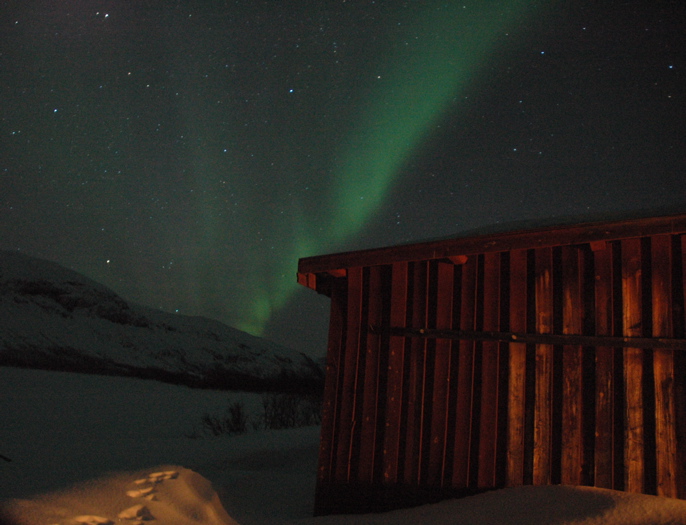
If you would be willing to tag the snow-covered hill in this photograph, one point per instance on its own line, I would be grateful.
(55, 318)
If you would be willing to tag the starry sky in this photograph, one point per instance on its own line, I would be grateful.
(186, 153)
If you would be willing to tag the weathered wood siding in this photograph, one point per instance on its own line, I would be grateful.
(415, 410)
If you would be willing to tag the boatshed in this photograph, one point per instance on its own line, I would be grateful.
(546, 356)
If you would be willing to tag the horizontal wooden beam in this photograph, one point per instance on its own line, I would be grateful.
(539, 339)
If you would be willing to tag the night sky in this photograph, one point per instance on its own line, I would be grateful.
(187, 153)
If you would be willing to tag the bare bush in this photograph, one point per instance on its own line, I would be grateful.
(279, 411)
(234, 421)
(290, 410)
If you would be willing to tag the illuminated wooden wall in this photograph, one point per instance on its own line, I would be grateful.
(540, 357)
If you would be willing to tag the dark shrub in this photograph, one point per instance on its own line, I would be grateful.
(234, 421)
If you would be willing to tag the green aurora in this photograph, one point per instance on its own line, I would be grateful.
(442, 49)
(187, 157)
(187, 154)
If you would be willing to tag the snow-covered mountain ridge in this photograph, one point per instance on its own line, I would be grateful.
(55, 318)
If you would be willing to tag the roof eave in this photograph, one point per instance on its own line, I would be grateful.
(591, 232)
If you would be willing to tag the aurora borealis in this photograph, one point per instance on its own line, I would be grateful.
(186, 154)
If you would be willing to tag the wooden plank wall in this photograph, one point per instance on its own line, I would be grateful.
(412, 419)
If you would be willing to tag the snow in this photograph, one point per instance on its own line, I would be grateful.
(89, 449)
(52, 317)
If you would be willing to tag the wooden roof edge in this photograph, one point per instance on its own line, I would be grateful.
(520, 239)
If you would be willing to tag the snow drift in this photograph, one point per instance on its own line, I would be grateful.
(172, 495)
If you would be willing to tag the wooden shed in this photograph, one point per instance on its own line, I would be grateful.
(548, 356)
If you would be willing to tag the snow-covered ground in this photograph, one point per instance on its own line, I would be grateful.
(92, 449)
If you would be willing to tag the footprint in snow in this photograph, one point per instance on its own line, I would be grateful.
(147, 493)
(138, 514)
(158, 477)
(93, 520)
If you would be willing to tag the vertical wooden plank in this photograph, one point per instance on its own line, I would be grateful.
(331, 402)
(517, 369)
(680, 386)
(349, 387)
(490, 380)
(394, 390)
(441, 380)
(415, 384)
(464, 416)
(605, 424)
(543, 403)
(370, 402)
(633, 367)
(663, 367)
(572, 377)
